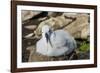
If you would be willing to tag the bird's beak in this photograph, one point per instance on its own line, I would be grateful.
(48, 38)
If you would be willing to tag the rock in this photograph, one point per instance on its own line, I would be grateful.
(85, 32)
(84, 55)
(54, 22)
(42, 19)
(30, 27)
(27, 14)
(54, 14)
(80, 27)
(29, 35)
(31, 48)
(74, 15)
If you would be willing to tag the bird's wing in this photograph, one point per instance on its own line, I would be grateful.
(63, 39)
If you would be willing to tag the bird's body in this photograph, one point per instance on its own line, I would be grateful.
(60, 42)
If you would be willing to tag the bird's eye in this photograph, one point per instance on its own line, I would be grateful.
(50, 31)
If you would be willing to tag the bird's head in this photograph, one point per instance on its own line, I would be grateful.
(46, 32)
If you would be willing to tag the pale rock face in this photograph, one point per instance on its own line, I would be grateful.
(27, 14)
(80, 27)
(55, 23)
(30, 27)
(54, 14)
(70, 14)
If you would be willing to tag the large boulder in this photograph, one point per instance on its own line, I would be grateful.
(80, 27)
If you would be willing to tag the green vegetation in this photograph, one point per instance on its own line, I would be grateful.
(84, 47)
